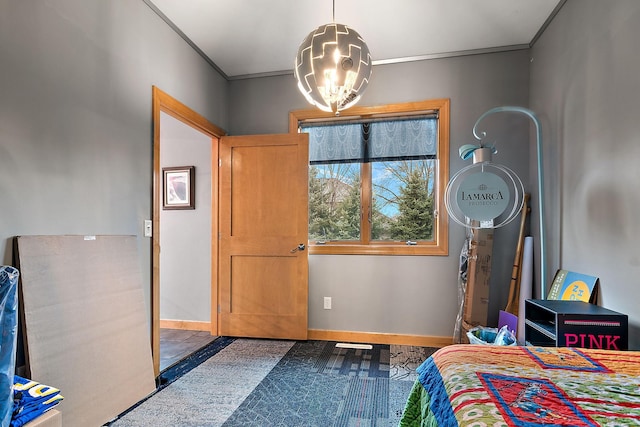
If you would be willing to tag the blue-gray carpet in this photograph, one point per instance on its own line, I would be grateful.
(248, 382)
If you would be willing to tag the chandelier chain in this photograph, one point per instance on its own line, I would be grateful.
(334, 11)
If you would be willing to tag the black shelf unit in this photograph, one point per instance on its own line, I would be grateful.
(558, 323)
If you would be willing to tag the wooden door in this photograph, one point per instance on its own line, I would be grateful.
(263, 268)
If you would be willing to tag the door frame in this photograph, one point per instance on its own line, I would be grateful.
(162, 102)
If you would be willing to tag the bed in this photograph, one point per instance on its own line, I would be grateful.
(484, 385)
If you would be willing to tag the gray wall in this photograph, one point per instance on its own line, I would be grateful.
(584, 79)
(75, 115)
(407, 294)
(185, 235)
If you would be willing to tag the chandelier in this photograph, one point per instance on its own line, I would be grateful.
(333, 67)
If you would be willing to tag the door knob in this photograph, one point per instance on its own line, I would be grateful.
(300, 247)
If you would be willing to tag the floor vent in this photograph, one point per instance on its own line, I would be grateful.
(357, 346)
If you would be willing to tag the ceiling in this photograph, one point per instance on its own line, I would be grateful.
(248, 38)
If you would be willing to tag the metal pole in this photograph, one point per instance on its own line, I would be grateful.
(536, 122)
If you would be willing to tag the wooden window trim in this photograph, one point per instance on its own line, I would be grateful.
(440, 244)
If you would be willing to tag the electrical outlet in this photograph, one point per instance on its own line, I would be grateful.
(327, 303)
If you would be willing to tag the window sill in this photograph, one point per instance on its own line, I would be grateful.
(383, 249)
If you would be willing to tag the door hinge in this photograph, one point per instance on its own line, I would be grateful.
(219, 310)
(220, 162)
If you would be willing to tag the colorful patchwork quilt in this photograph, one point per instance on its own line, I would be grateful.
(480, 385)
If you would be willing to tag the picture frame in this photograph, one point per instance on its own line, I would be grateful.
(178, 187)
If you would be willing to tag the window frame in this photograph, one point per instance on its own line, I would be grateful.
(439, 244)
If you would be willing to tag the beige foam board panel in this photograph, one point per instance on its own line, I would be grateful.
(85, 323)
(51, 418)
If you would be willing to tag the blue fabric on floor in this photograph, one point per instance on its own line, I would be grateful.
(32, 399)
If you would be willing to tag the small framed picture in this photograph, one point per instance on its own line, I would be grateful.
(179, 185)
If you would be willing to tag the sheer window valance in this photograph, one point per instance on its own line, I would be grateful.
(370, 141)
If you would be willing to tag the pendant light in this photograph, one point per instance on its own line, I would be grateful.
(333, 67)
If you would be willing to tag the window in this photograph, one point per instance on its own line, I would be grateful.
(377, 177)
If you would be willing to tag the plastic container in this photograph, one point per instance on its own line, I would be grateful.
(9, 330)
(491, 336)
